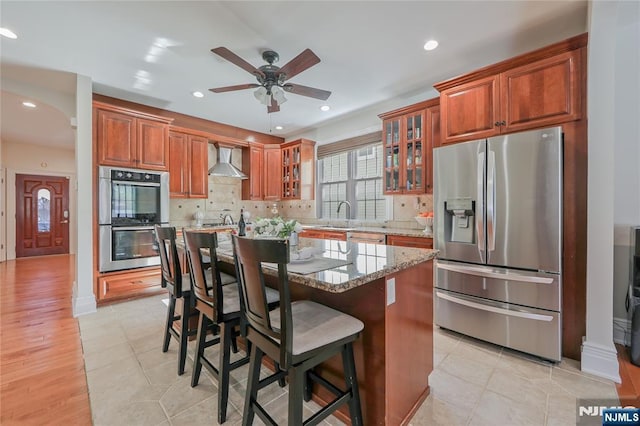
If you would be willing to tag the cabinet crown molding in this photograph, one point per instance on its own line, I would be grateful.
(131, 112)
(567, 45)
(410, 108)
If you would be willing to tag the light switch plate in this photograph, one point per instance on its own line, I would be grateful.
(391, 291)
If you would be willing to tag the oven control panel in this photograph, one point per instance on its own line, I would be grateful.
(129, 176)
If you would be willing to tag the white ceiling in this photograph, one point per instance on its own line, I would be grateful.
(370, 51)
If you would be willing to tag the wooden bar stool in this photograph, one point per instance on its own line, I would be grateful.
(179, 287)
(299, 336)
(219, 306)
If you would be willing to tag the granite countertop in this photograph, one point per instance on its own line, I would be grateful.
(368, 262)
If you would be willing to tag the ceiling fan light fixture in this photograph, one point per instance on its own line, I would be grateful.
(262, 96)
(278, 95)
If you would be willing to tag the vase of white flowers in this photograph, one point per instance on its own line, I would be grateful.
(277, 227)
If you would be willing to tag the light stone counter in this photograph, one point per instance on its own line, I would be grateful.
(368, 262)
(378, 230)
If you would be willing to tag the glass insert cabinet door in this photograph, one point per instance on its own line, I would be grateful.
(392, 155)
(414, 151)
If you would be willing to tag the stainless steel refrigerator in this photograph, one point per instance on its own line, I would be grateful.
(498, 226)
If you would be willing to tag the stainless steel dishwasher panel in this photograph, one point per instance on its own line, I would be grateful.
(534, 331)
(366, 237)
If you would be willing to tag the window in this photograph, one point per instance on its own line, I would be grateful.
(354, 176)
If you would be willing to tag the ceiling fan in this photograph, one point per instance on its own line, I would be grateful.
(272, 79)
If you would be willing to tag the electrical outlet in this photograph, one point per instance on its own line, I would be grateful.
(391, 291)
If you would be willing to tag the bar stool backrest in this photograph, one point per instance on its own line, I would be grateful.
(250, 254)
(203, 260)
(169, 261)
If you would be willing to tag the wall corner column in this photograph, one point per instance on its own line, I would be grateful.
(83, 298)
(599, 355)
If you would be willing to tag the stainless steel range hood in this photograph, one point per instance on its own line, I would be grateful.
(223, 166)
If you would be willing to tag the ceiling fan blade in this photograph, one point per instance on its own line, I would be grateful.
(305, 60)
(311, 92)
(236, 87)
(274, 107)
(237, 60)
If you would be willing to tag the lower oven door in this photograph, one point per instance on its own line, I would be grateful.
(127, 247)
(535, 331)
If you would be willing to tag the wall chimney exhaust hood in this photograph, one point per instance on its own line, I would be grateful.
(223, 166)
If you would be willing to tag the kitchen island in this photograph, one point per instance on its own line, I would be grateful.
(390, 289)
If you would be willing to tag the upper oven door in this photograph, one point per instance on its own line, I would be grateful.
(133, 197)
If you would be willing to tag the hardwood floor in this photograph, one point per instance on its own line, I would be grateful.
(629, 389)
(42, 374)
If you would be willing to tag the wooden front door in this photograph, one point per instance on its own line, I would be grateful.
(42, 215)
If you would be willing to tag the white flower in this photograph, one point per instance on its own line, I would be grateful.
(277, 227)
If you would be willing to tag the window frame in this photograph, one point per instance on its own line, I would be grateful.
(351, 185)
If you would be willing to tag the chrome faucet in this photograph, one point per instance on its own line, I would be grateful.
(226, 218)
(348, 212)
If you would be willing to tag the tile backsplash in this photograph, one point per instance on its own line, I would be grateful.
(225, 198)
(225, 193)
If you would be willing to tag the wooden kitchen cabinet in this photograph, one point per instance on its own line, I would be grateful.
(297, 170)
(253, 165)
(407, 241)
(129, 139)
(271, 179)
(263, 165)
(128, 284)
(407, 140)
(188, 164)
(538, 89)
(324, 234)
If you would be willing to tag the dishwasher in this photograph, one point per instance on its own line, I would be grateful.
(366, 237)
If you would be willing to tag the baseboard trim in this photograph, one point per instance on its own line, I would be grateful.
(601, 361)
(622, 331)
(83, 305)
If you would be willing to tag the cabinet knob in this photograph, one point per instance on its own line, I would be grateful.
(497, 123)
(503, 123)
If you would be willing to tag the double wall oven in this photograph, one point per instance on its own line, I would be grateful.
(131, 202)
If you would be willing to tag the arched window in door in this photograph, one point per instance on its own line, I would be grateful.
(44, 210)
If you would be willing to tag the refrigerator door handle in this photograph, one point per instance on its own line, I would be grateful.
(491, 200)
(488, 273)
(489, 308)
(480, 202)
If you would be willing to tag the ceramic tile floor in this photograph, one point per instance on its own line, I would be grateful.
(131, 382)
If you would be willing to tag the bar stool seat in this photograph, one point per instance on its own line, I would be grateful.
(316, 325)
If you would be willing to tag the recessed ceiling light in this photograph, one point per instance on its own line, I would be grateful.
(8, 33)
(279, 127)
(430, 45)
(198, 94)
(325, 108)
(29, 104)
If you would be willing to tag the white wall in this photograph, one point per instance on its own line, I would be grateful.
(360, 122)
(613, 55)
(20, 158)
(626, 158)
